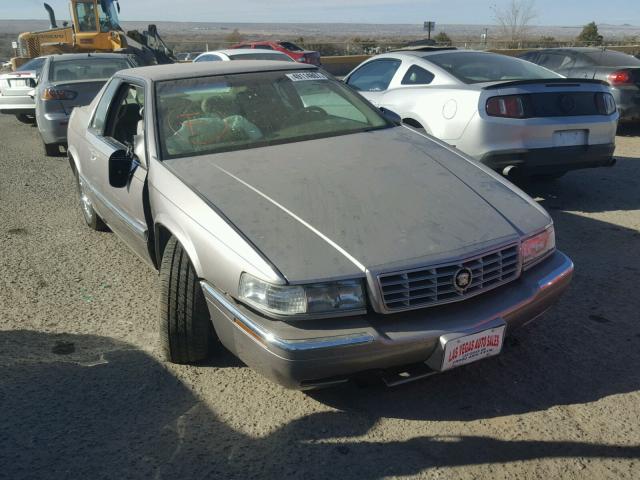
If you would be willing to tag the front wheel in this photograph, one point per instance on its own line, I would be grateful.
(186, 332)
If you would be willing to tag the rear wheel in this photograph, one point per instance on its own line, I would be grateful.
(28, 119)
(186, 333)
(90, 216)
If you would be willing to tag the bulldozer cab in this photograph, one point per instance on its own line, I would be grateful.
(95, 16)
(96, 24)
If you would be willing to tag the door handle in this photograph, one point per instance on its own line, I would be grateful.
(94, 155)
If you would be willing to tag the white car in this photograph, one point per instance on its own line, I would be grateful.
(16, 90)
(516, 117)
(242, 54)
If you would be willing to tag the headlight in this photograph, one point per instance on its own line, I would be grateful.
(320, 298)
(535, 248)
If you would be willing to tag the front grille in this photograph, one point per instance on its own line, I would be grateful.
(435, 285)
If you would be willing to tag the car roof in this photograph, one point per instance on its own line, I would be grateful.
(158, 73)
(244, 51)
(425, 54)
(75, 56)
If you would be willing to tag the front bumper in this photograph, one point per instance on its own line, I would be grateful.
(551, 160)
(17, 104)
(310, 354)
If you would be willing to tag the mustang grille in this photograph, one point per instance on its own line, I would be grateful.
(430, 286)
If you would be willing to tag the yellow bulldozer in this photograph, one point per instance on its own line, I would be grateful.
(95, 27)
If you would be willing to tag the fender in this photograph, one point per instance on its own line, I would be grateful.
(165, 221)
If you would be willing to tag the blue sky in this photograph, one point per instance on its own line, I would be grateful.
(550, 12)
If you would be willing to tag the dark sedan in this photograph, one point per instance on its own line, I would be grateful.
(620, 70)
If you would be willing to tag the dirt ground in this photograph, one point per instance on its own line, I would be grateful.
(83, 393)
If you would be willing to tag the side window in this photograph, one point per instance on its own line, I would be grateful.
(582, 61)
(417, 76)
(374, 76)
(125, 113)
(555, 61)
(264, 47)
(208, 58)
(100, 116)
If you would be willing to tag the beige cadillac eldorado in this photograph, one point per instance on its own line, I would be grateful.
(305, 230)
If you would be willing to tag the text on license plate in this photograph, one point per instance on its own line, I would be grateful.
(471, 348)
(569, 138)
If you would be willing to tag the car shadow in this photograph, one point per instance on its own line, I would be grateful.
(629, 129)
(592, 190)
(82, 406)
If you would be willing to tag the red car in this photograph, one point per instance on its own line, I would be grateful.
(294, 51)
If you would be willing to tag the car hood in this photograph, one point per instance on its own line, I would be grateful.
(378, 201)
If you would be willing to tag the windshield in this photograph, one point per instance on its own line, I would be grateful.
(90, 68)
(261, 56)
(474, 67)
(234, 112)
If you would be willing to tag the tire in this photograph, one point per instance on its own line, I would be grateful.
(91, 218)
(51, 149)
(28, 119)
(186, 332)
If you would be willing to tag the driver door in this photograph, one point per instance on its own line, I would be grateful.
(114, 129)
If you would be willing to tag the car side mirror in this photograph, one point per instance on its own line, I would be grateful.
(120, 167)
(391, 116)
(139, 148)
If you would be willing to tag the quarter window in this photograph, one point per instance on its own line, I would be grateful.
(209, 58)
(417, 76)
(374, 76)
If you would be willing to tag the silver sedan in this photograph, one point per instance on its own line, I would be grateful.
(305, 230)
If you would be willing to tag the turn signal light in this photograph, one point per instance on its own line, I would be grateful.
(56, 94)
(621, 77)
(508, 106)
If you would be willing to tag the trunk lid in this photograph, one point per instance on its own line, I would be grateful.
(85, 91)
(17, 83)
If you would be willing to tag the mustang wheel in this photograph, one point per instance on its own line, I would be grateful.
(186, 333)
(92, 219)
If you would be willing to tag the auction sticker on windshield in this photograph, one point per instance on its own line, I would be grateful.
(302, 76)
(471, 348)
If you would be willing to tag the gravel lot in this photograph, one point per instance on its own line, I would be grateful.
(84, 395)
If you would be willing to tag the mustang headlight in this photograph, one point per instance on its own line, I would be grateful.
(537, 247)
(319, 298)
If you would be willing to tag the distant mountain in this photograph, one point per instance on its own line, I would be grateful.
(344, 30)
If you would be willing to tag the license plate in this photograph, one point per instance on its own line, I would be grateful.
(471, 348)
(18, 83)
(569, 138)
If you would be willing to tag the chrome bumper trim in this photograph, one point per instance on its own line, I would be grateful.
(268, 339)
